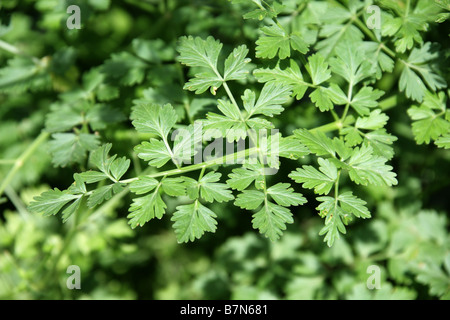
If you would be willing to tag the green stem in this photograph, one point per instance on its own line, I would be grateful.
(17, 202)
(22, 159)
(336, 125)
(10, 48)
(223, 160)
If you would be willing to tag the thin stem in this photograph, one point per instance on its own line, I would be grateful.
(10, 48)
(372, 37)
(17, 202)
(16, 51)
(201, 173)
(22, 159)
(228, 159)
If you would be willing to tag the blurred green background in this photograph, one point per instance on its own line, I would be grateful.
(49, 65)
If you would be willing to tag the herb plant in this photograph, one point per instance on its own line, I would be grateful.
(263, 113)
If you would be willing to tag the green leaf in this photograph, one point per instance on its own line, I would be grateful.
(191, 221)
(143, 185)
(322, 181)
(153, 118)
(143, 209)
(285, 196)
(271, 220)
(419, 70)
(62, 118)
(291, 148)
(51, 202)
(350, 63)
(321, 99)
(376, 120)
(366, 98)
(249, 199)
(318, 69)
(270, 100)
(230, 126)
(92, 176)
(366, 168)
(155, 152)
(444, 141)
(119, 167)
(174, 187)
(241, 178)
(381, 142)
(102, 115)
(186, 142)
(428, 124)
(68, 148)
(211, 191)
(236, 64)
(276, 41)
(71, 209)
(354, 205)
(334, 224)
(317, 142)
(125, 68)
(196, 52)
(290, 76)
(104, 193)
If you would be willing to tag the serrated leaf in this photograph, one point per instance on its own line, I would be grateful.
(191, 221)
(67, 148)
(271, 220)
(153, 151)
(316, 142)
(334, 224)
(143, 209)
(241, 178)
(270, 101)
(366, 98)
(51, 202)
(125, 68)
(381, 142)
(366, 168)
(284, 195)
(354, 205)
(196, 52)
(249, 199)
(211, 191)
(444, 141)
(78, 186)
(153, 118)
(290, 76)
(71, 209)
(235, 64)
(143, 185)
(187, 142)
(275, 41)
(429, 125)
(322, 181)
(291, 148)
(93, 176)
(350, 63)
(62, 118)
(376, 120)
(321, 99)
(318, 69)
(174, 187)
(103, 193)
(119, 167)
(419, 70)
